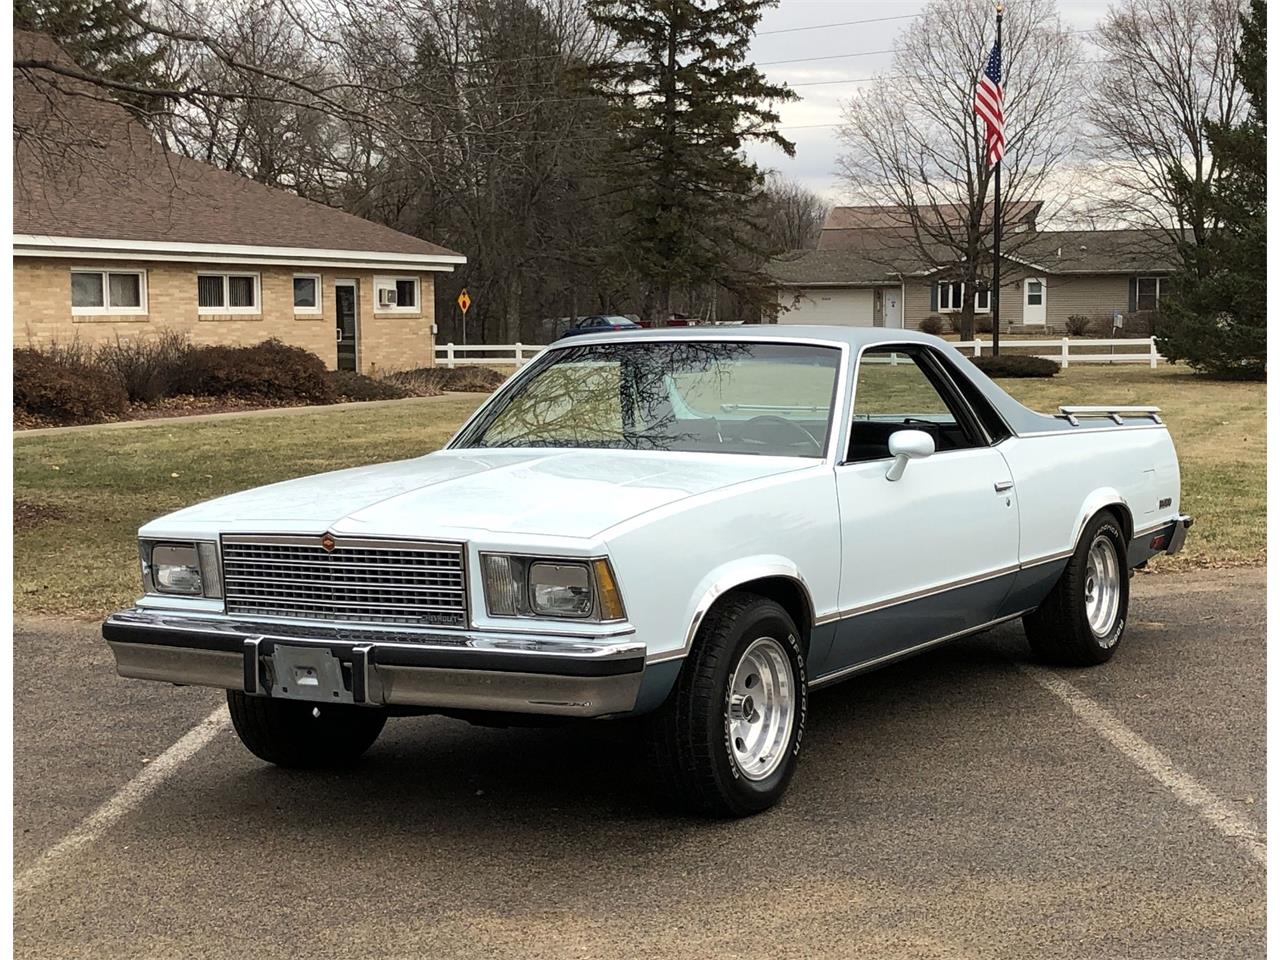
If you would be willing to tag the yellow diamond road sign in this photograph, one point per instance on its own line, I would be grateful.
(464, 300)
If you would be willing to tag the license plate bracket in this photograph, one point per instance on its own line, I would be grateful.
(307, 673)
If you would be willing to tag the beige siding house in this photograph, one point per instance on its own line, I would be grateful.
(866, 273)
(115, 236)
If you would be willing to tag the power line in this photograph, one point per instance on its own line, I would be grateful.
(841, 23)
(835, 56)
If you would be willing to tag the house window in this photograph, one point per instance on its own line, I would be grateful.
(395, 294)
(108, 292)
(1035, 293)
(306, 293)
(951, 297)
(228, 293)
(1149, 293)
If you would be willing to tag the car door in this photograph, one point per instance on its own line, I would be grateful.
(934, 552)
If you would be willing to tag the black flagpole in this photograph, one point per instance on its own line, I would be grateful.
(995, 251)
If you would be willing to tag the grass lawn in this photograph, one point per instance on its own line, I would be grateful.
(80, 498)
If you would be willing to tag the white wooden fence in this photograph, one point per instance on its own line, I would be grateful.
(1082, 350)
(1065, 351)
(485, 354)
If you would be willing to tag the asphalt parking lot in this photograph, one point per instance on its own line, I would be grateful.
(962, 804)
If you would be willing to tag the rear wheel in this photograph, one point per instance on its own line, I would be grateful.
(727, 740)
(1082, 621)
(294, 733)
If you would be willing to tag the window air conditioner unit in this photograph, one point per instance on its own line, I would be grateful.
(387, 297)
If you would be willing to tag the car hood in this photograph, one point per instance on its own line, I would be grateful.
(567, 493)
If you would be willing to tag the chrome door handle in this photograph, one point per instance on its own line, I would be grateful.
(1004, 486)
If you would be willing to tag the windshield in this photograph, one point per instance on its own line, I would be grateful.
(770, 399)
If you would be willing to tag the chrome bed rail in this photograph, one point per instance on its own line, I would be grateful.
(1073, 414)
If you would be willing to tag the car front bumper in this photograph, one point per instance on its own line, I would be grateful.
(518, 673)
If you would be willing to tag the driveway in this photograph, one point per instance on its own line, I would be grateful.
(966, 803)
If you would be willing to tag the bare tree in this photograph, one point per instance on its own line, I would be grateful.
(795, 214)
(1170, 68)
(913, 143)
(265, 134)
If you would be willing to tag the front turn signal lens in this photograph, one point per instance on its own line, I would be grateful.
(607, 588)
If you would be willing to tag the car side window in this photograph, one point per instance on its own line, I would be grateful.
(896, 390)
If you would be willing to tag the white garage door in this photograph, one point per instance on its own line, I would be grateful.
(840, 307)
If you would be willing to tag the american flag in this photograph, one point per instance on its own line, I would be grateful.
(988, 103)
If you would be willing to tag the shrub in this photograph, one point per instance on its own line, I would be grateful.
(1009, 365)
(954, 322)
(474, 379)
(431, 381)
(1141, 323)
(349, 385)
(270, 370)
(981, 324)
(149, 368)
(54, 387)
(932, 325)
(1077, 325)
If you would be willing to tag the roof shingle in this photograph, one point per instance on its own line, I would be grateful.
(84, 167)
(855, 227)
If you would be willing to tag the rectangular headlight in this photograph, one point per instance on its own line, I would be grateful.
(560, 589)
(516, 586)
(181, 569)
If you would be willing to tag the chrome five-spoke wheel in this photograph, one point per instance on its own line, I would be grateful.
(1102, 586)
(761, 708)
(1081, 622)
(727, 740)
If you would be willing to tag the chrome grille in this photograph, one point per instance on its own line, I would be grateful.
(359, 580)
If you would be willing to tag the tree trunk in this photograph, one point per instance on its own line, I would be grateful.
(967, 309)
(511, 311)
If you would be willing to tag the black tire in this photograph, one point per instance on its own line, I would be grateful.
(1059, 630)
(691, 754)
(288, 733)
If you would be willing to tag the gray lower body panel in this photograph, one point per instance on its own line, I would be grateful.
(879, 635)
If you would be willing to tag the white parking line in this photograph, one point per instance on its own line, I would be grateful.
(129, 796)
(1213, 809)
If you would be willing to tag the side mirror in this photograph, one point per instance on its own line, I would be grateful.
(907, 445)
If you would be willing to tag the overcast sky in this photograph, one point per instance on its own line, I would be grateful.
(860, 50)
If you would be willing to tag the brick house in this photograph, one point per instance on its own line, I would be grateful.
(865, 272)
(114, 235)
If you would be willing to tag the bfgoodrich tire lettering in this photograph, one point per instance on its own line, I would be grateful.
(1082, 621)
(294, 733)
(691, 738)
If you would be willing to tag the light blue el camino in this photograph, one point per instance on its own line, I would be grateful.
(697, 526)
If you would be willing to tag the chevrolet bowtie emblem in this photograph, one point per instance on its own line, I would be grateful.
(328, 542)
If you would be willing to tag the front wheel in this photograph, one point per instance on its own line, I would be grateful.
(1082, 621)
(295, 733)
(727, 740)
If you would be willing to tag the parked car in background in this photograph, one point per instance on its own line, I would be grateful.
(675, 319)
(601, 323)
(693, 527)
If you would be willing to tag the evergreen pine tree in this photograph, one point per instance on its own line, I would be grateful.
(1216, 317)
(101, 38)
(684, 102)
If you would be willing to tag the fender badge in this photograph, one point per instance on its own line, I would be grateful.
(328, 542)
